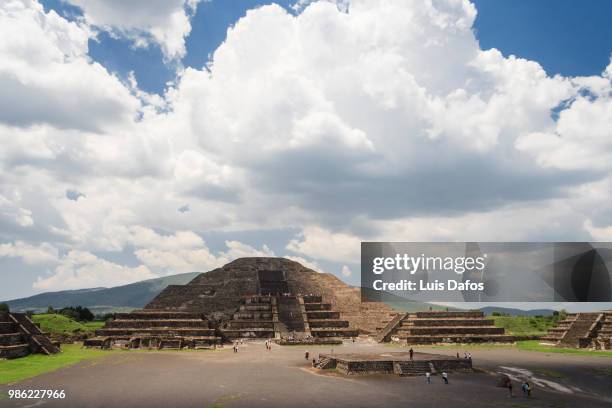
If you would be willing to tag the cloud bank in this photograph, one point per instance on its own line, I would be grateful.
(377, 120)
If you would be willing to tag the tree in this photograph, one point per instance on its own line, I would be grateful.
(51, 310)
(78, 313)
(70, 312)
(85, 314)
(4, 308)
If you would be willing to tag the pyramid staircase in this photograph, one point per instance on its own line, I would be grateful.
(442, 327)
(582, 330)
(156, 329)
(257, 317)
(20, 336)
(413, 368)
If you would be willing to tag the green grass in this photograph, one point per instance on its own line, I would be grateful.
(526, 345)
(60, 324)
(534, 345)
(525, 325)
(36, 364)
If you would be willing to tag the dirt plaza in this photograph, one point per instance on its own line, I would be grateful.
(255, 377)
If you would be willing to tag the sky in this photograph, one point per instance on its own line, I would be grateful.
(153, 137)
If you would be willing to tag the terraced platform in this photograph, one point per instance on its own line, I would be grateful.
(442, 327)
(19, 336)
(582, 330)
(155, 329)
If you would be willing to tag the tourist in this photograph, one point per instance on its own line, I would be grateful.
(445, 377)
(235, 347)
(314, 362)
(526, 389)
(458, 356)
(428, 377)
(411, 352)
(306, 355)
(510, 389)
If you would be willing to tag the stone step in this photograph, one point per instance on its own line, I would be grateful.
(158, 331)
(327, 323)
(412, 368)
(317, 306)
(448, 322)
(449, 314)
(249, 333)
(451, 330)
(255, 308)
(158, 315)
(14, 351)
(322, 314)
(10, 339)
(157, 323)
(246, 324)
(333, 332)
(8, 327)
(466, 338)
(252, 315)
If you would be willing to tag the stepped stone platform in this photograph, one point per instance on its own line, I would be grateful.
(582, 330)
(274, 298)
(20, 336)
(442, 327)
(155, 329)
(398, 363)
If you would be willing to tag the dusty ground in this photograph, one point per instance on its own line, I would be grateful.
(256, 378)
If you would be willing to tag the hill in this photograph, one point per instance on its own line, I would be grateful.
(102, 300)
(516, 312)
(59, 324)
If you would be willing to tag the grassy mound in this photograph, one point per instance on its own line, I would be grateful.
(60, 324)
(525, 325)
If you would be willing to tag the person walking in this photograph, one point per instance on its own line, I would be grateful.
(411, 352)
(510, 395)
(445, 377)
(306, 355)
(428, 377)
(526, 389)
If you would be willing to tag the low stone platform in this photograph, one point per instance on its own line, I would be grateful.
(315, 341)
(398, 363)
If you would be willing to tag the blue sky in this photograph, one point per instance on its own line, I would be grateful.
(563, 38)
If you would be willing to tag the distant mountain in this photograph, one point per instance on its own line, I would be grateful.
(102, 300)
(516, 312)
